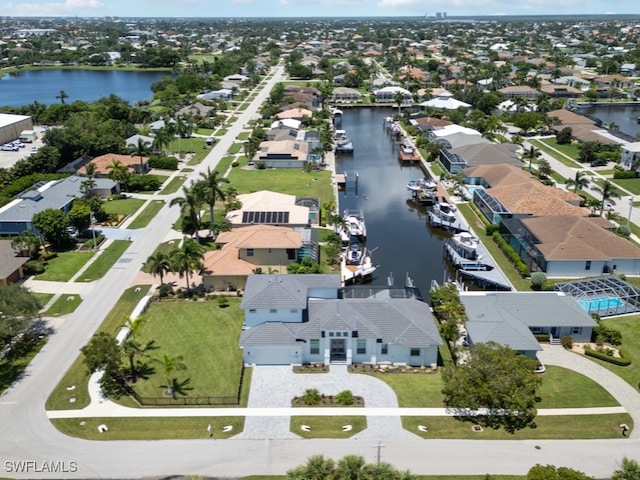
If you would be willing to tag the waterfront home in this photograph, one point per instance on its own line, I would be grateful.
(523, 91)
(583, 128)
(514, 318)
(445, 101)
(247, 250)
(282, 154)
(457, 159)
(630, 155)
(452, 136)
(297, 319)
(345, 94)
(388, 94)
(565, 246)
(135, 164)
(295, 113)
(273, 208)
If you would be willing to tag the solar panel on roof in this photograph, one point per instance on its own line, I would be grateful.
(273, 218)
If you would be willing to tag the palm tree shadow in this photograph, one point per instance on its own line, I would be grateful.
(180, 388)
(144, 370)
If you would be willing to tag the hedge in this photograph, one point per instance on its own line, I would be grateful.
(511, 254)
(624, 174)
(165, 163)
(623, 361)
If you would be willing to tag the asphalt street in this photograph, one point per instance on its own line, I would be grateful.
(28, 436)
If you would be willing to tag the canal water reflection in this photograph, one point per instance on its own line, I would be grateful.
(398, 232)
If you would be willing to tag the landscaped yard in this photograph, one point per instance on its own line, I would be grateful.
(293, 182)
(235, 148)
(105, 261)
(150, 428)
(64, 266)
(77, 376)
(65, 304)
(206, 335)
(566, 154)
(124, 206)
(631, 185)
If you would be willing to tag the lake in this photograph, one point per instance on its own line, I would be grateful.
(398, 233)
(87, 85)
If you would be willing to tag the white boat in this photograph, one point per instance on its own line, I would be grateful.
(341, 142)
(353, 253)
(355, 225)
(466, 245)
(422, 184)
(445, 211)
(360, 273)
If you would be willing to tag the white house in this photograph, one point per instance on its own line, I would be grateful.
(297, 319)
(388, 94)
(630, 155)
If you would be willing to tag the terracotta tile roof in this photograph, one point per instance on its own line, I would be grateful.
(104, 161)
(568, 118)
(576, 238)
(537, 199)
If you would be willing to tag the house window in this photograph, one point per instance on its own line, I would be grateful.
(384, 350)
(252, 310)
(576, 331)
(273, 310)
(587, 266)
(291, 253)
(361, 346)
(269, 250)
(314, 346)
(331, 334)
(249, 252)
(536, 330)
(415, 352)
(293, 310)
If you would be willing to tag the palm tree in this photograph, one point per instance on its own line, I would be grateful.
(140, 150)
(158, 264)
(119, 172)
(608, 192)
(62, 96)
(629, 470)
(399, 99)
(532, 154)
(131, 346)
(187, 259)
(169, 365)
(190, 205)
(87, 186)
(162, 140)
(579, 182)
(350, 467)
(182, 129)
(544, 168)
(211, 191)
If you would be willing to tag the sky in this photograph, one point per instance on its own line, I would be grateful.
(310, 8)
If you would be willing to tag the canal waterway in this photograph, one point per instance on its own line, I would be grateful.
(625, 116)
(398, 233)
(86, 85)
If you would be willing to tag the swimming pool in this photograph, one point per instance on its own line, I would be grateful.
(600, 303)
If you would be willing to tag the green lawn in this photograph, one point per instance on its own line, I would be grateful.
(173, 186)
(224, 163)
(415, 390)
(568, 150)
(67, 303)
(290, 181)
(153, 428)
(165, 247)
(124, 206)
(77, 375)
(15, 361)
(207, 338)
(43, 298)
(562, 388)
(564, 427)
(105, 261)
(149, 212)
(184, 145)
(64, 266)
(328, 427)
(235, 148)
(632, 185)
(243, 135)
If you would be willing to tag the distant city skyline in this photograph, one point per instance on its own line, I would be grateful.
(312, 8)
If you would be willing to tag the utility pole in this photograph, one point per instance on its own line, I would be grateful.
(630, 210)
(379, 447)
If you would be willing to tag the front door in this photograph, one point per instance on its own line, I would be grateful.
(338, 352)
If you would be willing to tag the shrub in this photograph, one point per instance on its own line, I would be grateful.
(491, 229)
(165, 290)
(222, 301)
(605, 334)
(537, 280)
(542, 337)
(143, 183)
(46, 256)
(624, 231)
(624, 174)
(345, 397)
(567, 342)
(311, 396)
(235, 163)
(34, 267)
(165, 163)
(623, 361)
(260, 165)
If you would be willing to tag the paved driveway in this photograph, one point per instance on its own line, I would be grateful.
(275, 386)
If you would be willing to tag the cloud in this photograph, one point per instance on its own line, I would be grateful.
(53, 9)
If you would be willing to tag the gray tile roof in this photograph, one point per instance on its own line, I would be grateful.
(506, 317)
(283, 291)
(55, 194)
(270, 333)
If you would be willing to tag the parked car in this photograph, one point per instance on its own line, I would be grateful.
(599, 163)
(607, 206)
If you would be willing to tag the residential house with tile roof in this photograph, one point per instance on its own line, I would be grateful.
(245, 250)
(297, 319)
(514, 318)
(565, 246)
(102, 163)
(283, 154)
(11, 264)
(273, 208)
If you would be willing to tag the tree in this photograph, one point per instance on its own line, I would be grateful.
(550, 472)
(497, 379)
(211, 191)
(26, 244)
(19, 307)
(158, 264)
(52, 224)
(629, 470)
(544, 168)
(119, 172)
(87, 185)
(187, 258)
(140, 150)
(579, 182)
(80, 215)
(103, 353)
(169, 365)
(131, 346)
(564, 136)
(190, 205)
(608, 192)
(398, 98)
(162, 140)
(531, 154)
(62, 96)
